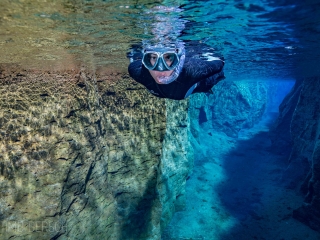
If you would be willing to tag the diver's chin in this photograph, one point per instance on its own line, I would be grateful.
(163, 80)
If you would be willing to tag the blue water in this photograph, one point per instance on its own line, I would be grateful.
(258, 40)
(235, 190)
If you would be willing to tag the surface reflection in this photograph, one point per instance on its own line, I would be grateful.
(258, 40)
(64, 34)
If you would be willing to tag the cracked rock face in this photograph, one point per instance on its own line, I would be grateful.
(305, 154)
(82, 157)
(298, 124)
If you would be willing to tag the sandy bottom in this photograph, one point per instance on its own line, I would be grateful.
(236, 193)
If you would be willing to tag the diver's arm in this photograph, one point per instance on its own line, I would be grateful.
(215, 78)
(139, 73)
(200, 69)
(134, 69)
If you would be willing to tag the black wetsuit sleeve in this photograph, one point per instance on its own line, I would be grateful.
(140, 74)
(214, 79)
(135, 71)
(200, 69)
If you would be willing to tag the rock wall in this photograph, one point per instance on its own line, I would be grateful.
(82, 157)
(305, 131)
(299, 122)
(177, 159)
(232, 107)
(280, 131)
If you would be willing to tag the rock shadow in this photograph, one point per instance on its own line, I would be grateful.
(254, 193)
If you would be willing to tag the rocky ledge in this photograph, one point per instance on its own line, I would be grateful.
(88, 157)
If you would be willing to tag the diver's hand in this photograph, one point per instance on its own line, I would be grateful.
(214, 79)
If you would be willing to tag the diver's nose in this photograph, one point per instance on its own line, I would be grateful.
(160, 66)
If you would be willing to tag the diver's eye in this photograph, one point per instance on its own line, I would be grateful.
(169, 58)
(153, 58)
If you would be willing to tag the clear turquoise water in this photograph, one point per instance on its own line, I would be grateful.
(258, 39)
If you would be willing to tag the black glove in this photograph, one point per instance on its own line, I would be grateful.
(214, 79)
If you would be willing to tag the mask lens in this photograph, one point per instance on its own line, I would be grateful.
(160, 60)
(169, 58)
(150, 60)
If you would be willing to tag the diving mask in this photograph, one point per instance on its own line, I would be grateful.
(161, 59)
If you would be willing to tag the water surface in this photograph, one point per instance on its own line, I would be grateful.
(257, 39)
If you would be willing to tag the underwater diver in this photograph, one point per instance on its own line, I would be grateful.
(167, 73)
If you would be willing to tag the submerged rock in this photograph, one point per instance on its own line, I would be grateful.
(298, 125)
(232, 106)
(280, 131)
(88, 159)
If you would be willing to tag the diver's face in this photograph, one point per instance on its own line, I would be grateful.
(167, 57)
(157, 75)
